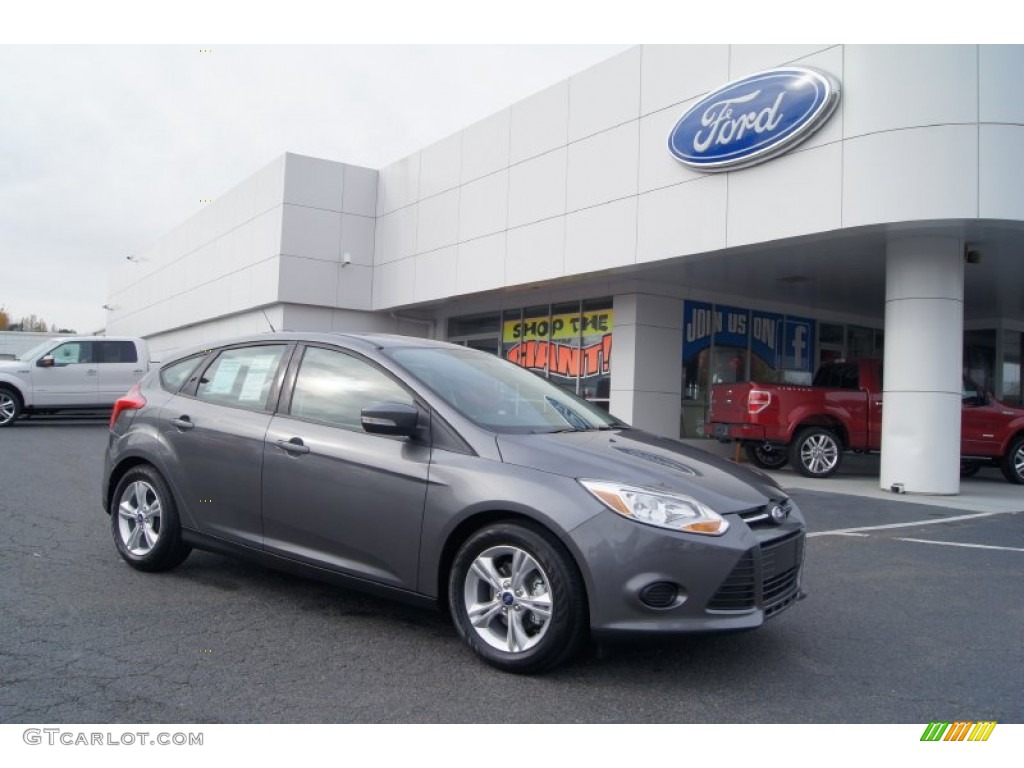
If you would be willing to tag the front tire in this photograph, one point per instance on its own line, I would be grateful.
(1012, 463)
(816, 452)
(517, 599)
(10, 406)
(144, 521)
(765, 455)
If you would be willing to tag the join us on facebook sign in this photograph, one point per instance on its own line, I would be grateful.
(785, 342)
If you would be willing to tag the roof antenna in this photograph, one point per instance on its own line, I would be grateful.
(272, 329)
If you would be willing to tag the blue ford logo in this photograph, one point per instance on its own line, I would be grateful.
(751, 120)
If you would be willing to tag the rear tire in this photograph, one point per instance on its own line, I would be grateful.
(517, 599)
(969, 468)
(1012, 463)
(10, 406)
(765, 455)
(816, 452)
(144, 521)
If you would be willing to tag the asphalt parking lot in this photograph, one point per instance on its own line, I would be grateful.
(902, 625)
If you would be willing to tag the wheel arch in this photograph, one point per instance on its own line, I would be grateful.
(823, 421)
(1016, 433)
(14, 389)
(118, 472)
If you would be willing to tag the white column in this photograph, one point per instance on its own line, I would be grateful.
(924, 319)
(647, 362)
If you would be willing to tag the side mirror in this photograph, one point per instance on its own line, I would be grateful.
(46, 361)
(390, 419)
(975, 399)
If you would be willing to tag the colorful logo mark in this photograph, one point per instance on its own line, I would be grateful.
(959, 731)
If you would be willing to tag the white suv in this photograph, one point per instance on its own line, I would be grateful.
(70, 373)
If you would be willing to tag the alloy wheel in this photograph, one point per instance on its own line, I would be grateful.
(507, 599)
(8, 407)
(139, 517)
(819, 453)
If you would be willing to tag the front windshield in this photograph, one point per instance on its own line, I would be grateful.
(37, 350)
(499, 395)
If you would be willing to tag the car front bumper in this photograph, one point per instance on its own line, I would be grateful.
(728, 582)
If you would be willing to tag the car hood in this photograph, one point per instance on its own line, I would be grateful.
(10, 366)
(635, 457)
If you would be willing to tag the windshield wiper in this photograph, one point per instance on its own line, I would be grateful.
(574, 419)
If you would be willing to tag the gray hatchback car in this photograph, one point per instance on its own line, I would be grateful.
(437, 474)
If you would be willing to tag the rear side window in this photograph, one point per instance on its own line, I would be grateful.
(114, 352)
(335, 387)
(837, 376)
(241, 376)
(173, 376)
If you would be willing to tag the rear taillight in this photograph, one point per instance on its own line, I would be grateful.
(758, 400)
(132, 401)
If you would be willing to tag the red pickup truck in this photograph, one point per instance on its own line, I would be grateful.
(811, 427)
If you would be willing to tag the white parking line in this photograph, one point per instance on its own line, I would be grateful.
(959, 544)
(932, 521)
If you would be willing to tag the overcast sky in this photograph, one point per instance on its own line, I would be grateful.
(106, 148)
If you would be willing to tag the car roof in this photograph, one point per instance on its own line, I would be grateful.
(359, 341)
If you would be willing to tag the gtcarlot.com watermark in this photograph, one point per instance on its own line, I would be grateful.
(59, 736)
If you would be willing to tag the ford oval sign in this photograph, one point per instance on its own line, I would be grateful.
(751, 120)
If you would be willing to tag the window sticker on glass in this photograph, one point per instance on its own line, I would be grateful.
(224, 381)
(260, 369)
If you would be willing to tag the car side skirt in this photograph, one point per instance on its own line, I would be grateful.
(209, 543)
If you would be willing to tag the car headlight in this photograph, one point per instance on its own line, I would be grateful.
(665, 510)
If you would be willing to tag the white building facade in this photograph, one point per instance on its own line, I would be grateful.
(562, 234)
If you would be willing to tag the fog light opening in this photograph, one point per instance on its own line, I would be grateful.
(660, 594)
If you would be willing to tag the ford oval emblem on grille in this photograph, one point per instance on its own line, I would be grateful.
(779, 514)
(754, 119)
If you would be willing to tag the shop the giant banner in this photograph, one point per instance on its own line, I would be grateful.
(573, 345)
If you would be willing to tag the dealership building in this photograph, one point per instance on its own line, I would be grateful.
(671, 218)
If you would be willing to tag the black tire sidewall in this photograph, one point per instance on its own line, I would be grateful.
(969, 468)
(1007, 463)
(169, 550)
(567, 626)
(753, 454)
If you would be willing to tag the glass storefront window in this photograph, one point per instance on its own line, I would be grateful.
(481, 332)
(596, 351)
(568, 343)
(860, 342)
(1011, 390)
(980, 357)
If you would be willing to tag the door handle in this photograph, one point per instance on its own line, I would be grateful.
(91, 372)
(183, 423)
(295, 445)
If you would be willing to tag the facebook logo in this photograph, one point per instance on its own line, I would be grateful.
(798, 348)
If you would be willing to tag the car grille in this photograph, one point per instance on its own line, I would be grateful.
(767, 575)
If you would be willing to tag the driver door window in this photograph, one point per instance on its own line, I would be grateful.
(334, 387)
(72, 353)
